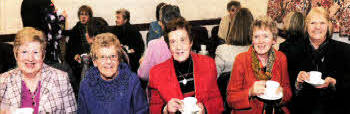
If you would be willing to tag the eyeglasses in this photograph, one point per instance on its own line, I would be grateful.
(105, 57)
(84, 13)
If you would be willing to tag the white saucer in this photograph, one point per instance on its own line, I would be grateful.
(189, 112)
(276, 97)
(316, 84)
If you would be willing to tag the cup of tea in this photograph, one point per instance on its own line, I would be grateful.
(271, 88)
(315, 76)
(190, 104)
(203, 47)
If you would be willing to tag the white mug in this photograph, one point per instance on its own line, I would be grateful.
(203, 47)
(271, 88)
(190, 104)
(315, 76)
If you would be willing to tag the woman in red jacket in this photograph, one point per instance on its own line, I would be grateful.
(185, 74)
(252, 69)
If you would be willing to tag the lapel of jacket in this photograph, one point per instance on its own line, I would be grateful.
(46, 85)
(15, 86)
(196, 75)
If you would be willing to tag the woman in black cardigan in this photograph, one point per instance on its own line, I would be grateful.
(318, 52)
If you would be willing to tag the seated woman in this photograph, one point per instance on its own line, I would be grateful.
(186, 74)
(34, 84)
(318, 52)
(237, 41)
(252, 69)
(110, 87)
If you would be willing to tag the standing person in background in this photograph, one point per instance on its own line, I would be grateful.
(224, 27)
(238, 41)
(130, 37)
(78, 43)
(155, 29)
(252, 69)
(81, 38)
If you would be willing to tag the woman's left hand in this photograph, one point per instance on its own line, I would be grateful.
(201, 108)
(279, 90)
(327, 81)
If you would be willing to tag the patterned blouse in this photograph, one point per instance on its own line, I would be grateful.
(302, 6)
(343, 18)
(323, 3)
(275, 10)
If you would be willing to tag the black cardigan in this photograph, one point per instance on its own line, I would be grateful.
(129, 35)
(333, 60)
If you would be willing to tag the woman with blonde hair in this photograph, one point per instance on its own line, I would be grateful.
(252, 70)
(318, 52)
(34, 84)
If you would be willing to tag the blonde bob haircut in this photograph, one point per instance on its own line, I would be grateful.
(29, 34)
(105, 40)
(264, 23)
(319, 12)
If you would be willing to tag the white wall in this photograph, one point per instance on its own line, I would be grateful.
(142, 11)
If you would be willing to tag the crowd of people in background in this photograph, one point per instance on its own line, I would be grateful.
(97, 68)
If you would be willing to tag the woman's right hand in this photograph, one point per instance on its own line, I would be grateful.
(174, 105)
(302, 76)
(7, 111)
(258, 88)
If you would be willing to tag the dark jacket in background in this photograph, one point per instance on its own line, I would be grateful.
(333, 60)
(155, 31)
(33, 13)
(130, 36)
(7, 59)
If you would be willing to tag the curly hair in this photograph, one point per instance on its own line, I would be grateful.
(29, 34)
(105, 40)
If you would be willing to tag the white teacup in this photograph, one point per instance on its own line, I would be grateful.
(190, 104)
(315, 76)
(271, 88)
(203, 47)
(24, 111)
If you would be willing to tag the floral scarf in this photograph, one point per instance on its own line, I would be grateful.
(258, 71)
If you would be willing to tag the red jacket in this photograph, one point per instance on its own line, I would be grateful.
(164, 85)
(243, 77)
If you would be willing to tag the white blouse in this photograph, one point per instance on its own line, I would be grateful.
(225, 56)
